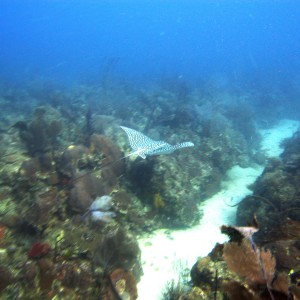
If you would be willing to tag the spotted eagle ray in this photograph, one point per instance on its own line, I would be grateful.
(144, 146)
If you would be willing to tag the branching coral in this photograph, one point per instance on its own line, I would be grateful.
(40, 134)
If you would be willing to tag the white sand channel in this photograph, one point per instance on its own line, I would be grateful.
(166, 251)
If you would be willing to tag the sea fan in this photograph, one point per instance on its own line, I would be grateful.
(243, 260)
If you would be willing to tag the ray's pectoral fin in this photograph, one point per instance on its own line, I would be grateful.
(144, 146)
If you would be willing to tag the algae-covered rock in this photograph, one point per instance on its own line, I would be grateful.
(275, 192)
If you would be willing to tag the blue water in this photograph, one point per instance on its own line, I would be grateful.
(145, 40)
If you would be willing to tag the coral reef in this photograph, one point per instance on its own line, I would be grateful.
(86, 188)
(62, 149)
(239, 269)
(82, 262)
(93, 171)
(275, 197)
(40, 200)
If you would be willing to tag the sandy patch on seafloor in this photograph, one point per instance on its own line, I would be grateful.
(164, 249)
(273, 137)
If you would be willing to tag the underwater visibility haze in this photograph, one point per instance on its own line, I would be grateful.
(189, 39)
(149, 149)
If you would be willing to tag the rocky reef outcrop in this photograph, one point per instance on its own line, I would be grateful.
(240, 269)
(260, 259)
(276, 192)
